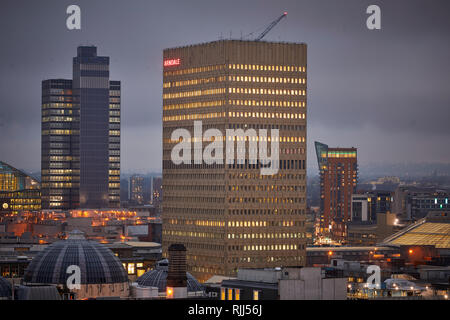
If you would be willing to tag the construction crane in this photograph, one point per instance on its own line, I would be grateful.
(270, 26)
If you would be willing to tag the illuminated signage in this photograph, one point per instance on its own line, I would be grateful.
(171, 62)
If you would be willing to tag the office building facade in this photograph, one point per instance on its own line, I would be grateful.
(80, 157)
(414, 203)
(338, 170)
(231, 216)
(366, 206)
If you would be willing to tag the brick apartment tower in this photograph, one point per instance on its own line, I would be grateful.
(231, 216)
(338, 169)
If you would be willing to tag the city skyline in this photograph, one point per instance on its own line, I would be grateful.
(353, 71)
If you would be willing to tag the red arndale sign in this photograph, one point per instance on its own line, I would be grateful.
(172, 62)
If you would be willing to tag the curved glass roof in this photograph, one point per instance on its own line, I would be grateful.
(97, 263)
(158, 277)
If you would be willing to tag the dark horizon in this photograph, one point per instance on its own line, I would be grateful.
(384, 92)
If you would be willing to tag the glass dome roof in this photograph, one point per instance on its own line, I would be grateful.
(5, 288)
(158, 277)
(97, 263)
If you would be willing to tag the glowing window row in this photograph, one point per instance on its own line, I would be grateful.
(59, 119)
(284, 92)
(266, 115)
(192, 105)
(58, 178)
(195, 116)
(195, 234)
(202, 223)
(57, 185)
(267, 79)
(235, 78)
(56, 105)
(267, 103)
(193, 82)
(247, 223)
(61, 158)
(195, 70)
(194, 93)
(258, 67)
(265, 200)
(59, 171)
(266, 235)
(60, 132)
(271, 247)
(239, 138)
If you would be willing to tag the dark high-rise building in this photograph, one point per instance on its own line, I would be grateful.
(338, 178)
(136, 189)
(148, 189)
(231, 216)
(81, 136)
(157, 191)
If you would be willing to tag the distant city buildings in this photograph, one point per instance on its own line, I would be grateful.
(230, 216)
(80, 158)
(338, 168)
(18, 191)
(413, 203)
(366, 206)
(283, 284)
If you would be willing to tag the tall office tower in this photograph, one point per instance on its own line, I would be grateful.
(231, 216)
(60, 161)
(136, 189)
(81, 136)
(338, 169)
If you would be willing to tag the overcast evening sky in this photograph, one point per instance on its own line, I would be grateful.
(386, 92)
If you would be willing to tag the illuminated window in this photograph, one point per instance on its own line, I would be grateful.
(255, 295)
(230, 294)
(237, 294)
(222, 293)
(140, 272)
(131, 268)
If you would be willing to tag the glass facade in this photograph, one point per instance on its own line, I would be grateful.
(18, 191)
